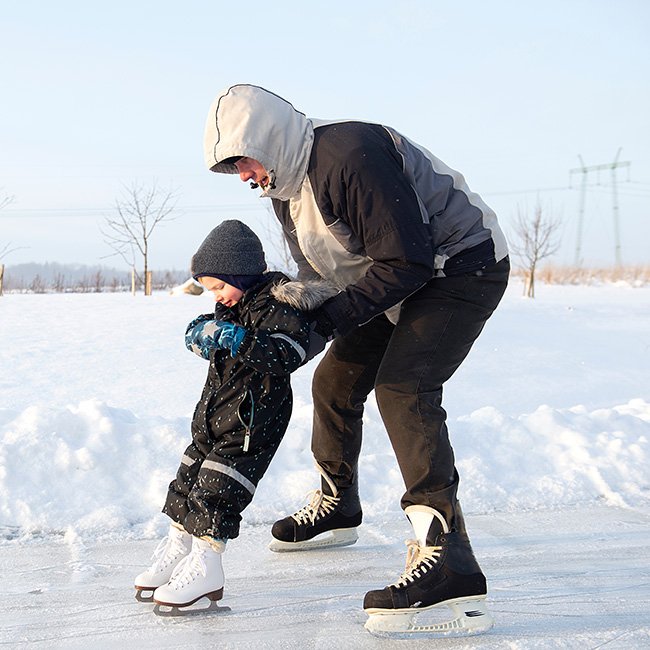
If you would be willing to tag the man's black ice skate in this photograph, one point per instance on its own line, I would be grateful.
(329, 519)
(441, 572)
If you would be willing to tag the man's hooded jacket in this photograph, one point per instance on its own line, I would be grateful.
(360, 204)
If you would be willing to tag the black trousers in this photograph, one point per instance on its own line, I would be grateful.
(406, 364)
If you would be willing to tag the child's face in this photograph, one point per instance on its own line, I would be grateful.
(223, 292)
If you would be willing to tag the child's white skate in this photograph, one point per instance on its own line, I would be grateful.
(171, 550)
(197, 576)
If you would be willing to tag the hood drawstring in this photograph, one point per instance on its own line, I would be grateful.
(271, 183)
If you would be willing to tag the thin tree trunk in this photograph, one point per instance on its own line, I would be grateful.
(530, 283)
(147, 279)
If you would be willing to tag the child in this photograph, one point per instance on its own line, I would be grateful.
(253, 341)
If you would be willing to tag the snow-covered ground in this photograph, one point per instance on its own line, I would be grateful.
(550, 420)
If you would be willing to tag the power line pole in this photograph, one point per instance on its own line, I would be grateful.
(581, 210)
(584, 170)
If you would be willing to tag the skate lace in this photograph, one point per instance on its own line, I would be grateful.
(188, 569)
(167, 551)
(320, 504)
(419, 560)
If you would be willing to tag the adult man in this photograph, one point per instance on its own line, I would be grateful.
(421, 263)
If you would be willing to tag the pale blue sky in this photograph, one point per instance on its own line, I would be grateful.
(98, 95)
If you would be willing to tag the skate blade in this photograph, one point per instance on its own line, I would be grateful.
(329, 539)
(167, 611)
(144, 594)
(184, 609)
(471, 616)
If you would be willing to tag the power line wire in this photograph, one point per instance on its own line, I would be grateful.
(78, 212)
(532, 191)
(84, 212)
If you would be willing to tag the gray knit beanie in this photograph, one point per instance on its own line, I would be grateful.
(232, 248)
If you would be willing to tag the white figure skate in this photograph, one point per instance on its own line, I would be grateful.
(169, 552)
(198, 575)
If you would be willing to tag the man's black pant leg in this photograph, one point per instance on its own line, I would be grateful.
(438, 326)
(341, 384)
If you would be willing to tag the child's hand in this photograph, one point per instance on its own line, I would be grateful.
(201, 334)
(229, 336)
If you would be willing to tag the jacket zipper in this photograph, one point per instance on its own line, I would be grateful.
(248, 426)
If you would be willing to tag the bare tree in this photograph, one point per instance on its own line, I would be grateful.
(5, 199)
(138, 212)
(83, 285)
(4, 251)
(537, 237)
(38, 284)
(58, 284)
(98, 281)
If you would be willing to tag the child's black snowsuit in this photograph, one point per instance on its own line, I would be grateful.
(243, 413)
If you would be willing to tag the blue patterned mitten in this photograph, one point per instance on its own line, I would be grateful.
(201, 335)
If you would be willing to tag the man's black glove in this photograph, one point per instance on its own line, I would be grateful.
(322, 332)
(323, 324)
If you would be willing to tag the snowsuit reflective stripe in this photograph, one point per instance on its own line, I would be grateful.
(241, 417)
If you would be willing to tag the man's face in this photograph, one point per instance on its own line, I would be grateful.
(223, 292)
(252, 170)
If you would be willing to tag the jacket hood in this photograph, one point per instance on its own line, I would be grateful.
(246, 120)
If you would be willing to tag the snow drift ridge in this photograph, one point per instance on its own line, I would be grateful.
(102, 471)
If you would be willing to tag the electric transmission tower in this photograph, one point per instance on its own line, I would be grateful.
(613, 166)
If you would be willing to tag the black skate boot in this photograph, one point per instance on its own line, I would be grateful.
(441, 572)
(329, 519)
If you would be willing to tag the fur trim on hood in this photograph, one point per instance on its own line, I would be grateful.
(306, 296)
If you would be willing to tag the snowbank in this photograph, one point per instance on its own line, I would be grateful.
(99, 470)
(551, 408)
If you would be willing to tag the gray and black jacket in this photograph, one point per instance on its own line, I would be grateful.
(361, 205)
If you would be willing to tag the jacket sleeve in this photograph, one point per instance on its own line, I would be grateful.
(360, 180)
(280, 344)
